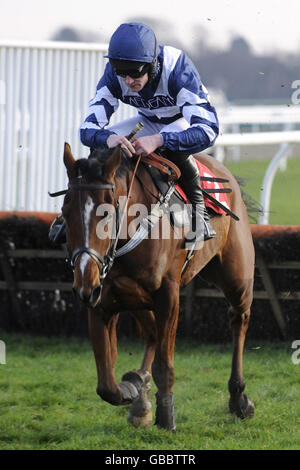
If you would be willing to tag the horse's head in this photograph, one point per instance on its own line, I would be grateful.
(89, 210)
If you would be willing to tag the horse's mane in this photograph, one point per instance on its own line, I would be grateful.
(254, 208)
(92, 167)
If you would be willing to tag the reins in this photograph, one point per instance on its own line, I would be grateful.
(162, 164)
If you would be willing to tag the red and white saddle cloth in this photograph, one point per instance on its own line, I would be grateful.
(210, 185)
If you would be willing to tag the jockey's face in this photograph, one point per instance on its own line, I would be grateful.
(136, 84)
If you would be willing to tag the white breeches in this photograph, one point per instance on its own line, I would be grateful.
(150, 128)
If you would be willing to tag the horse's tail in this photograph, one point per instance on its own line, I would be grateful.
(254, 208)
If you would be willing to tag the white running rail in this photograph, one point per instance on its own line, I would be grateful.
(284, 138)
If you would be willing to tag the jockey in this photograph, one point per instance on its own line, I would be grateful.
(165, 87)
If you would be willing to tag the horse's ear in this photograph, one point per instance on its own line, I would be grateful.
(112, 164)
(69, 161)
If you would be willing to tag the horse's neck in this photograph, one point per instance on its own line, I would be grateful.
(139, 193)
(136, 204)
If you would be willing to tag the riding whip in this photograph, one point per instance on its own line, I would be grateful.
(135, 130)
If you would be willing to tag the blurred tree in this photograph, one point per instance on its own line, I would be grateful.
(164, 30)
(243, 75)
(66, 33)
(237, 71)
(239, 46)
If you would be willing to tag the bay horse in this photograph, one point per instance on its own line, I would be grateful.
(146, 281)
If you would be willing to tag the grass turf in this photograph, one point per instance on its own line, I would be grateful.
(285, 195)
(48, 399)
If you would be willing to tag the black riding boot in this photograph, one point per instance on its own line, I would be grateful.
(57, 231)
(190, 182)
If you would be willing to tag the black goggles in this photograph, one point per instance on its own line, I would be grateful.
(133, 73)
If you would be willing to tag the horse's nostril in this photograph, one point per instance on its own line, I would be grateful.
(79, 294)
(87, 296)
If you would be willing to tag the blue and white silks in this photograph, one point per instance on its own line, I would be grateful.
(175, 104)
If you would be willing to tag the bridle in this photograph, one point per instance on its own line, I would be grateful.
(104, 263)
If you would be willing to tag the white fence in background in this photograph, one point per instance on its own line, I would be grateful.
(255, 116)
(284, 139)
(44, 92)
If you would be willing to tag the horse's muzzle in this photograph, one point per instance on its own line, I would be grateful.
(90, 297)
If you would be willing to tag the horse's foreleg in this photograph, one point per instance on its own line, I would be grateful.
(147, 322)
(140, 413)
(102, 330)
(239, 315)
(167, 301)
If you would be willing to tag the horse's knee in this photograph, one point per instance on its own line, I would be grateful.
(126, 391)
(240, 295)
(240, 303)
(239, 317)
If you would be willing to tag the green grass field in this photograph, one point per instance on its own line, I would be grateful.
(285, 196)
(48, 398)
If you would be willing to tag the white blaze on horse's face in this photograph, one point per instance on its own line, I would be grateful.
(88, 208)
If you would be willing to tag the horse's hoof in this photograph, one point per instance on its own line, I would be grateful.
(140, 412)
(242, 407)
(142, 421)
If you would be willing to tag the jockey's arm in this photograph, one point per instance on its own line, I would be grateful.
(192, 99)
(92, 132)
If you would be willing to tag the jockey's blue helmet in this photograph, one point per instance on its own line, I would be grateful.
(133, 42)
